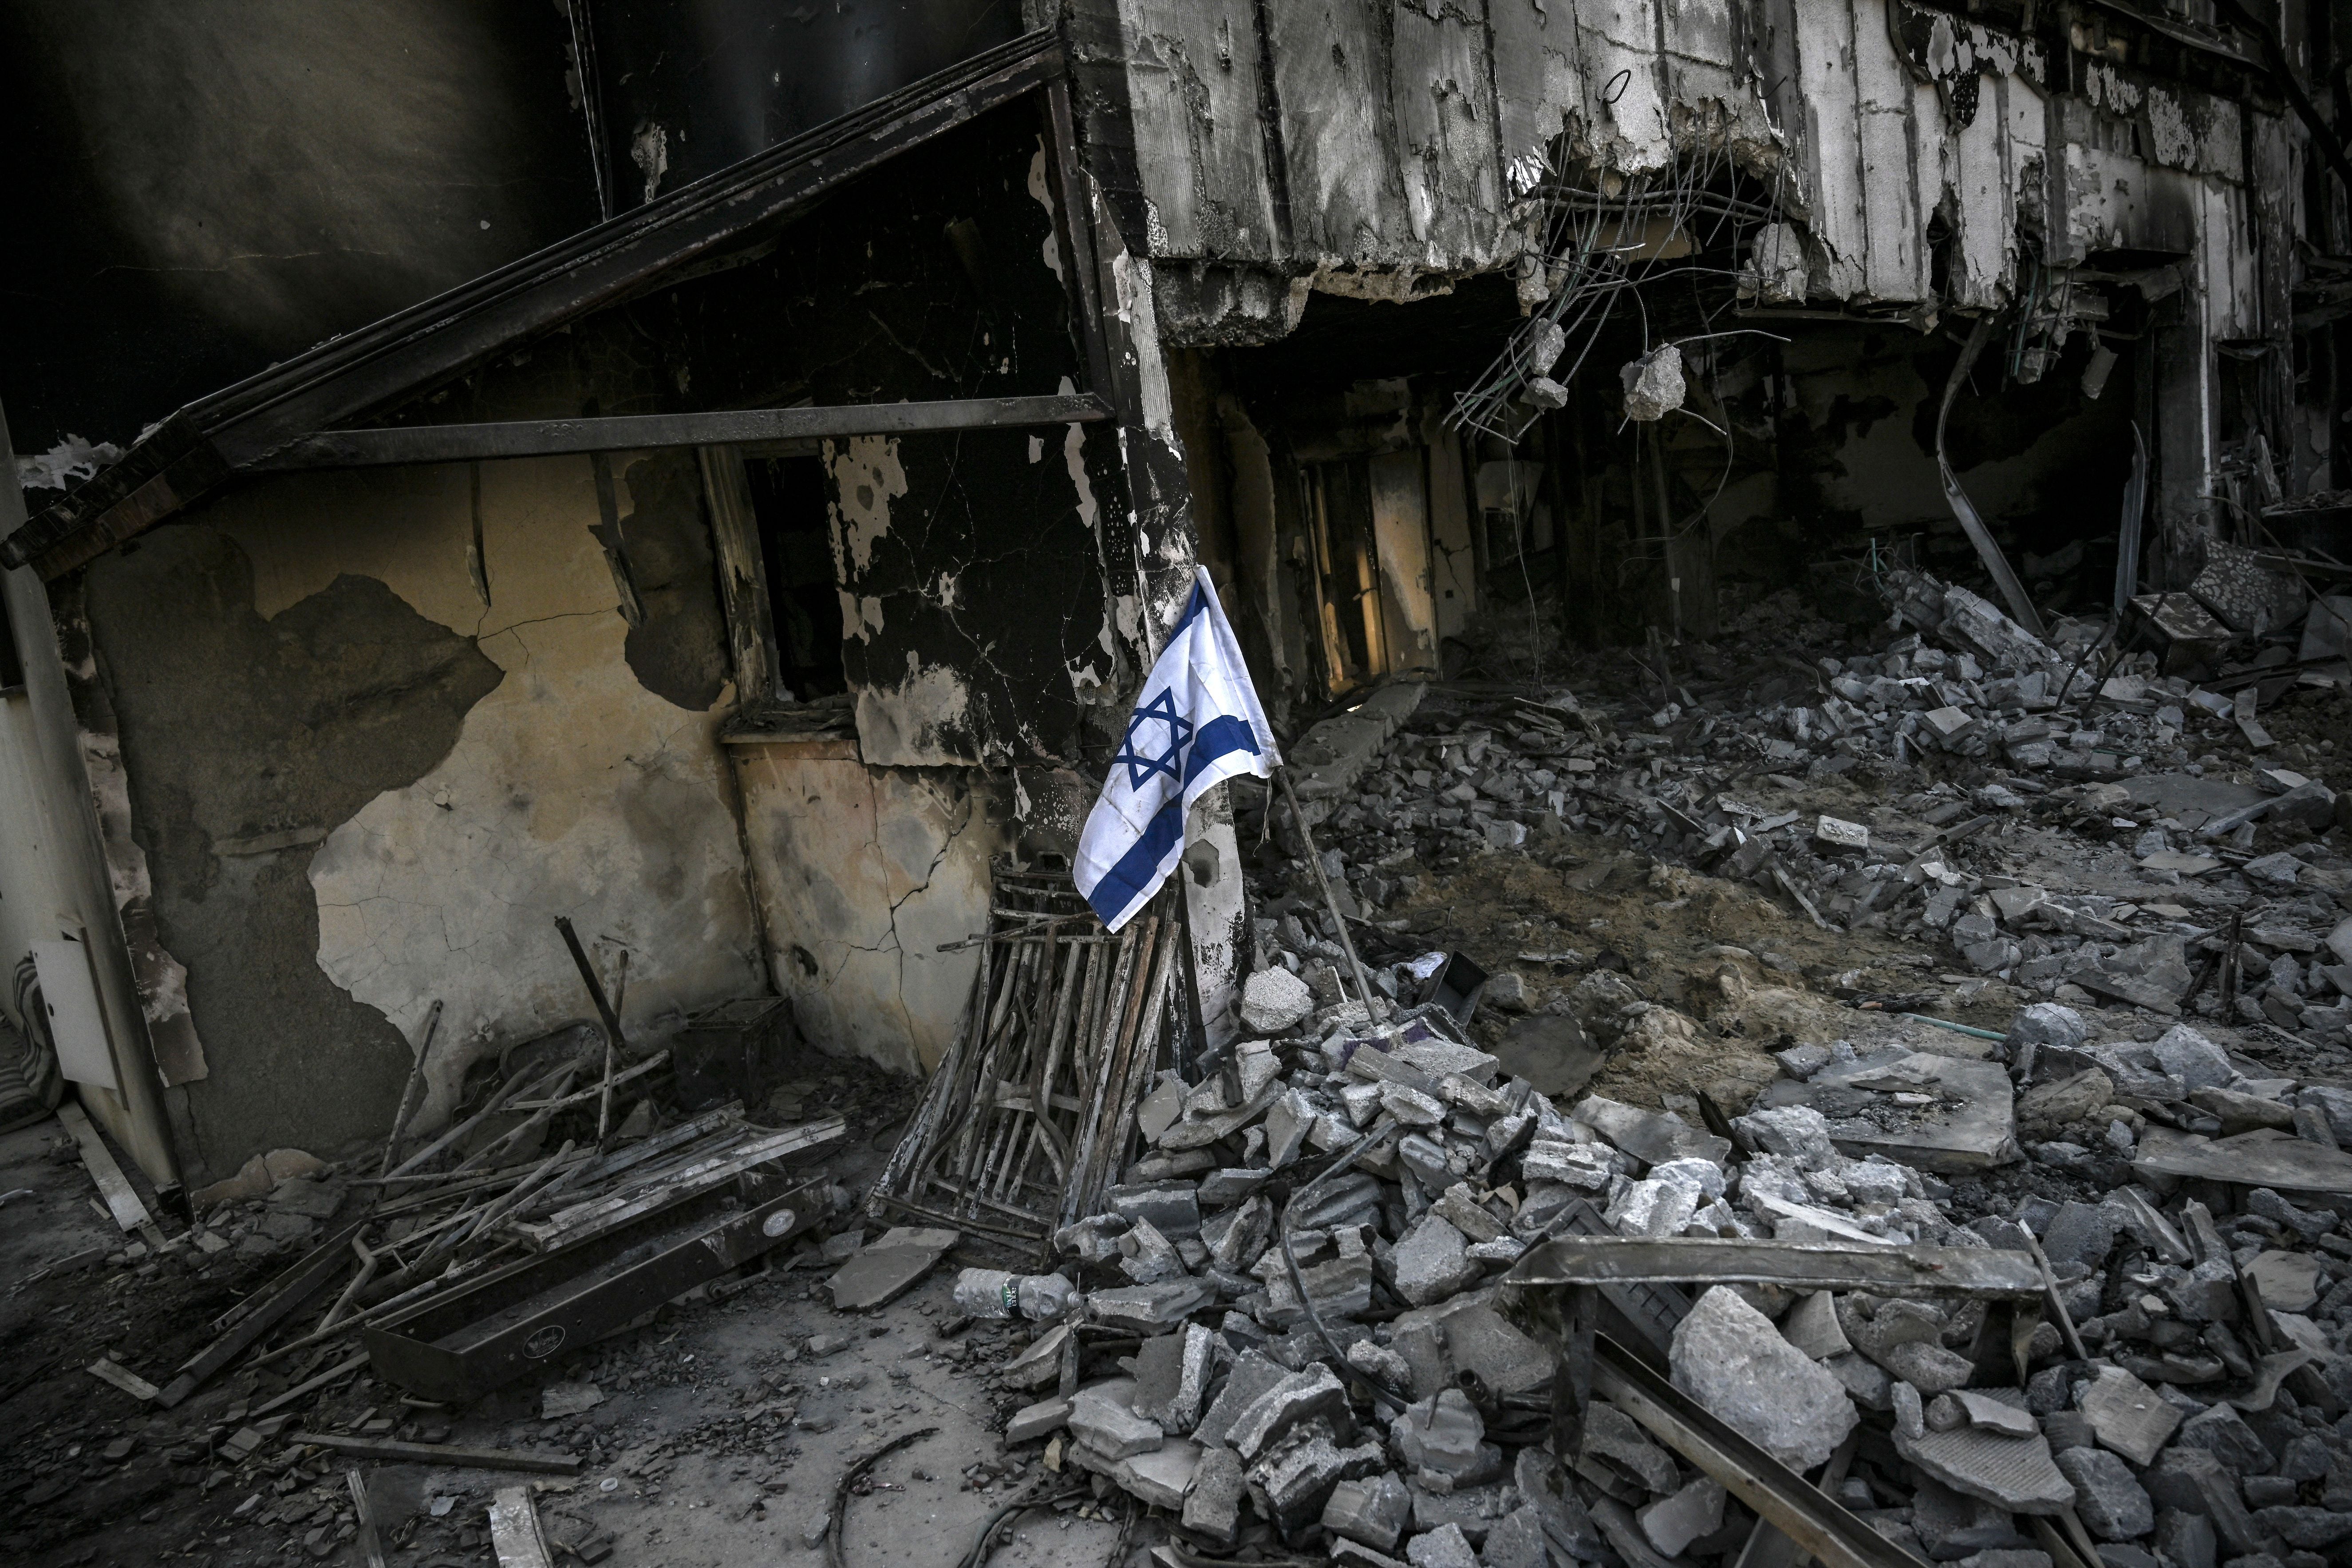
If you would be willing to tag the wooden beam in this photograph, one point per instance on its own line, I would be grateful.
(121, 1202)
(637, 432)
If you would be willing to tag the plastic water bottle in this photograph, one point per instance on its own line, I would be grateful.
(992, 1293)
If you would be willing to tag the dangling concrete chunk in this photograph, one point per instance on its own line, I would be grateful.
(1728, 1356)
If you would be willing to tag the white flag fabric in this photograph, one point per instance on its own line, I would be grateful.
(1196, 724)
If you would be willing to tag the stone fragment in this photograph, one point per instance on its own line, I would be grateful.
(1160, 1109)
(2304, 1528)
(2193, 1480)
(1930, 1368)
(2017, 1474)
(2185, 1539)
(1230, 1185)
(1373, 1511)
(1441, 1434)
(1275, 1001)
(1986, 1413)
(1517, 1540)
(1952, 1526)
(1477, 1339)
(2080, 1233)
(2222, 1432)
(1650, 1136)
(2196, 1060)
(1171, 1376)
(1102, 1417)
(1729, 1357)
(1031, 1422)
(1172, 1209)
(2128, 1416)
(2060, 1101)
(1611, 1434)
(1697, 1510)
(1252, 1376)
(1462, 1211)
(886, 1268)
(1213, 1505)
(1163, 1478)
(1150, 1308)
(1811, 1326)
(1292, 1482)
(2047, 1025)
(1473, 1510)
(1149, 1258)
(2109, 1499)
(1381, 1364)
(1041, 1362)
(1566, 1528)
(1317, 1390)
(2289, 1281)
(559, 1400)
(1446, 1548)
(1431, 1262)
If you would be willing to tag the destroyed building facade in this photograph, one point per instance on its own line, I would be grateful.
(928, 391)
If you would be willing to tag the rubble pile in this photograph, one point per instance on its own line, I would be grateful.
(1300, 1318)
(2140, 875)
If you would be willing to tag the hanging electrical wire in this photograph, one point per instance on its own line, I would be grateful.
(1594, 248)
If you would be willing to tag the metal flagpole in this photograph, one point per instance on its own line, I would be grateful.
(1373, 1009)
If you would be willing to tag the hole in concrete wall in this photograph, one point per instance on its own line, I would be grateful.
(789, 502)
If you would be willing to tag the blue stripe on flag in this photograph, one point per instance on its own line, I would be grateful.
(1220, 737)
(1194, 607)
(1135, 874)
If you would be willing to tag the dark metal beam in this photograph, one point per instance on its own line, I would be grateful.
(636, 432)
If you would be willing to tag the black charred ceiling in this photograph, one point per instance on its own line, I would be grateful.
(221, 187)
(684, 88)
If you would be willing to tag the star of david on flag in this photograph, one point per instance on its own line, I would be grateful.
(1196, 724)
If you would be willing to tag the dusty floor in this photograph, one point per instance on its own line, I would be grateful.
(722, 1428)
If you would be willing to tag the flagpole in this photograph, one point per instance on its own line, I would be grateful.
(1372, 1009)
(1196, 1031)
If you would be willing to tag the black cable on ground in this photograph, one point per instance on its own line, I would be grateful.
(976, 1554)
(1304, 1198)
(833, 1555)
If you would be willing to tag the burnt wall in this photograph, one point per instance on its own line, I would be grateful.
(246, 741)
(973, 566)
(198, 192)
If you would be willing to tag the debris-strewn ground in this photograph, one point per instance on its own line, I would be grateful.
(1931, 936)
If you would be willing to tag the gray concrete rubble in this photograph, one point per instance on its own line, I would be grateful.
(1925, 950)
(2057, 1049)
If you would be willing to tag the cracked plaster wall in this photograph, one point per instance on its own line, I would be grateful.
(863, 872)
(428, 863)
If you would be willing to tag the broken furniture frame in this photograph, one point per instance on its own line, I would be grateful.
(464, 1343)
(1029, 1116)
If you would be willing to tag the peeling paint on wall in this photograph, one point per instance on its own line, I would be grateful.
(866, 477)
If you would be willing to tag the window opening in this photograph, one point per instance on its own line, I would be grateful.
(790, 502)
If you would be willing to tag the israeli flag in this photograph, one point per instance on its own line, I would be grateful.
(1197, 724)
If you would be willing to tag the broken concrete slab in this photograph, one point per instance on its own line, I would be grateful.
(1374, 1510)
(2128, 1417)
(1102, 1417)
(1732, 1360)
(2266, 1158)
(2018, 1474)
(1652, 1137)
(1477, 1337)
(1952, 1115)
(1696, 1509)
(1163, 1477)
(889, 1267)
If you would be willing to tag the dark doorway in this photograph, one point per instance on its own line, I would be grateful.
(789, 501)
